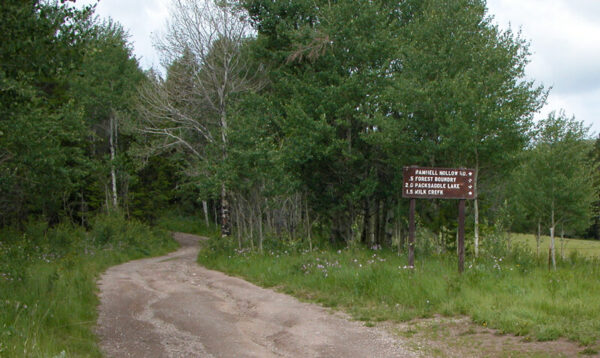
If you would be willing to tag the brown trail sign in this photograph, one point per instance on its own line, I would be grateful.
(438, 183)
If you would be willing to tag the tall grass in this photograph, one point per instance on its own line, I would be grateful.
(47, 282)
(510, 291)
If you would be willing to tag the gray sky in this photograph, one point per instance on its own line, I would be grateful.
(564, 38)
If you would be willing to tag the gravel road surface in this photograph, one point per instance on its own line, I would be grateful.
(170, 306)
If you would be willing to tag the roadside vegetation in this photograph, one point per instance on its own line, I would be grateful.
(48, 281)
(507, 290)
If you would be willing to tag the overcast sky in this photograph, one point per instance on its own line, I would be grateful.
(564, 38)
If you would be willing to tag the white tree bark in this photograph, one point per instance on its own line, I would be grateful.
(205, 209)
(552, 241)
(113, 153)
(476, 209)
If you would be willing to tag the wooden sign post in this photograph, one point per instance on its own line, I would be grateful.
(438, 183)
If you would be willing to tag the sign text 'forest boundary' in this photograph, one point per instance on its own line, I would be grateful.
(438, 183)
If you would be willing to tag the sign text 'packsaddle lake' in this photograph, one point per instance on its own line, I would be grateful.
(438, 183)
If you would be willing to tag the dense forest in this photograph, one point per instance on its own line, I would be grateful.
(286, 120)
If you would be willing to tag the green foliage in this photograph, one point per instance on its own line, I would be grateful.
(105, 88)
(360, 89)
(325, 75)
(555, 183)
(41, 128)
(48, 282)
(153, 188)
(511, 293)
(64, 77)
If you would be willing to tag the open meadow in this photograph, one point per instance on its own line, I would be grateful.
(585, 248)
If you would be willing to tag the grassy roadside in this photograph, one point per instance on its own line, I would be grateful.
(513, 293)
(48, 282)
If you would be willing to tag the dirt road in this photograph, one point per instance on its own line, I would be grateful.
(170, 307)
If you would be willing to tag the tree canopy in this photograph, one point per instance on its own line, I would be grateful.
(281, 118)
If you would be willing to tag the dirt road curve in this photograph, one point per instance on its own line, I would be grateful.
(171, 307)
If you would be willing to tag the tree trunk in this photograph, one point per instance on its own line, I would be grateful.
(238, 231)
(217, 216)
(398, 234)
(476, 209)
(372, 224)
(260, 229)
(251, 225)
(388, 228)
(225, 224)
(562, 242)
(269, 217)
(539, 237)
(205, 209)
(378, 220)
(402, 235)
(83, 208)
(308, 227)
(552, 247)
(113, 153)
(364, 232)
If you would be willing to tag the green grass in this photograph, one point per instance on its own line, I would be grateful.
(513, 293)
(48, 282)
(586, 248)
